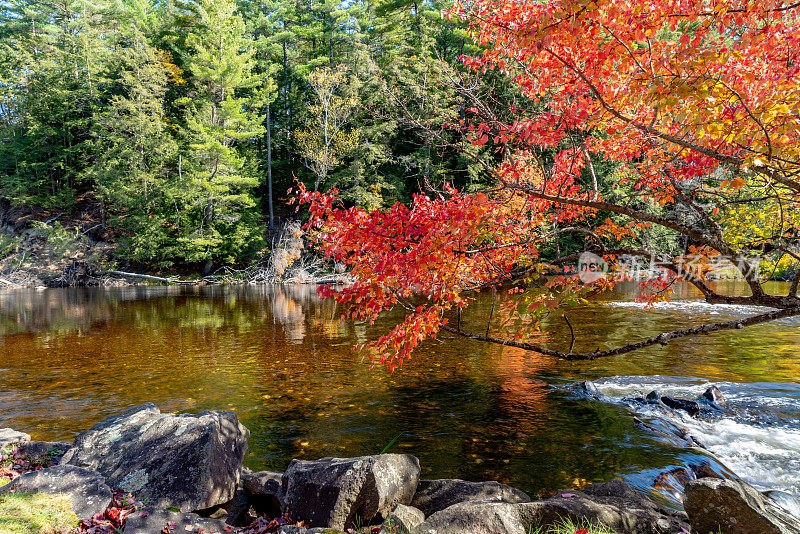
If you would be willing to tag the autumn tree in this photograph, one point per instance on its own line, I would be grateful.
(326, 139)
(695, 104)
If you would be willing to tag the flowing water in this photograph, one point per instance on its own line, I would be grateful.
(283, 360)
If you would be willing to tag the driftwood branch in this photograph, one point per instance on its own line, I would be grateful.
(661, 339)
(144, 276)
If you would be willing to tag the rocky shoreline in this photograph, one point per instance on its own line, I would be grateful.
(147, 472)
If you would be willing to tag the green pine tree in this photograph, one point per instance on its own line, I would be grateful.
(223, 114)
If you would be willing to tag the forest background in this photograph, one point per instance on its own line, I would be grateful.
(176, 128)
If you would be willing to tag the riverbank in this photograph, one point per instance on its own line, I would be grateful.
(40, 252)
(144, 472)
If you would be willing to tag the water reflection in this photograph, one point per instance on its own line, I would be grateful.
(283, 360)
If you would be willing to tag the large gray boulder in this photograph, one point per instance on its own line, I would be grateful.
(10, 437)
(435, 495)
(614, 505)
(475, 518)
(332, 492)
(153, 521)
(86, 489)
(715, 504)
(191, 462)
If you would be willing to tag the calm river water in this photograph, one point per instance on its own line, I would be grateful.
(283, 360)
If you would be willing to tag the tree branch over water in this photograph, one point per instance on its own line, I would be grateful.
(661, 339)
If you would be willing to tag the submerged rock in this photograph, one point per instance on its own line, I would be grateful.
(590, 389)
(191, 462)
(669, 432)
(86, 489)
(788, 502)
(435, 495)
(653, 398)
(332, 492)
(716, 505)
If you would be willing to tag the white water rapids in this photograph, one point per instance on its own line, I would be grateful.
(757, 435)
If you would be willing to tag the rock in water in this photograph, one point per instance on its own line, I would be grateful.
(653, 397)
(590, 388)
(714, 504)
(332, 492)
(10, 437)
(435, 495)
(85, 488)
(690, 407)
(713, 394)
(191, 462)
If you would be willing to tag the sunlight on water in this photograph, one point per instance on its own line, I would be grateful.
(283, 360)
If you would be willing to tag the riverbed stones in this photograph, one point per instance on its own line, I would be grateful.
(715, 504)
(151, 520)
(402, 520)
(191, 462)
(264, 491)
(86, 489)
(614, 505)
(332, 492)
(10, 437)
(475, 518)
(435, 495)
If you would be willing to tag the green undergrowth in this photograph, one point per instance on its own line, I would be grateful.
(25, 513)
(568, 526)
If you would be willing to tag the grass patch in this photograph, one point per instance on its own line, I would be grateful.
(25, 513)
(568, 526)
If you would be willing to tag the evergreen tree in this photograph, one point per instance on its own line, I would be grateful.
(135, 153)
(221, 117)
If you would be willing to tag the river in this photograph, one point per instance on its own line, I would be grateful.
(282, 359)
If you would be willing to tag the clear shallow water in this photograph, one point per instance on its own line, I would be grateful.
(282, 359)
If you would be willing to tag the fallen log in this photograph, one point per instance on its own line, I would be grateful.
(145, 276)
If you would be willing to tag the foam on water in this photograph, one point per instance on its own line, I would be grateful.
(699, 308)
(757, 437)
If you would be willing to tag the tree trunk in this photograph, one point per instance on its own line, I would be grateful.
(269, 172)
